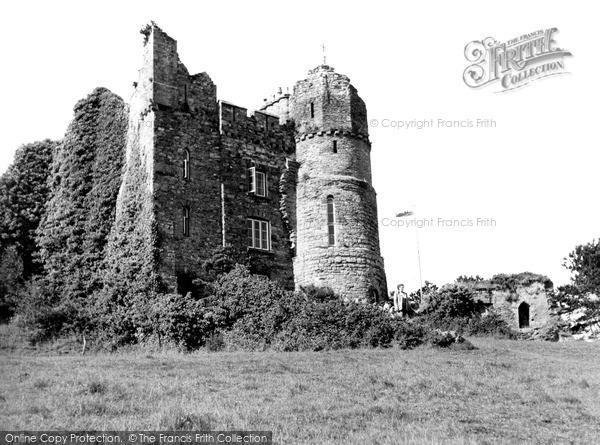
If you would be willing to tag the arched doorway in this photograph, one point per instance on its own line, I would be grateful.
(523, 315)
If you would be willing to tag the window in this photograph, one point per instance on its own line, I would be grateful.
(335, 146)
(331, 221)
(186, 164)
(259, 234)
(312, 110)
(257, 182)
(186, 221)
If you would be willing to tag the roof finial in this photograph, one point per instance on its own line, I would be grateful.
(324, 55)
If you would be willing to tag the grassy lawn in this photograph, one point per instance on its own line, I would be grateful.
(503, 392)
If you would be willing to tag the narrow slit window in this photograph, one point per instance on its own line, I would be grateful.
(312, 110)
(186, 221)
(186, 164)
(335, 146)
(331, 221)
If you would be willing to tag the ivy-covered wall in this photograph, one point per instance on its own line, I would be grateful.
(84, 180)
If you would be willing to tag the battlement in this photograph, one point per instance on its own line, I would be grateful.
(258, 127)
(296, 172)
(275, 98)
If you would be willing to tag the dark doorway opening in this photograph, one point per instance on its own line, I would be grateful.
(523, 315)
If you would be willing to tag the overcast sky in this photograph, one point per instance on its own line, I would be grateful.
(535, 174)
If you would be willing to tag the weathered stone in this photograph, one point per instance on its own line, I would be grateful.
(196, 154)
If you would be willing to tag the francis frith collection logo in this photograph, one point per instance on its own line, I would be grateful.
(514, 63)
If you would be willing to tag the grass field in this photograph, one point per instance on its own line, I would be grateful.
(502, 392)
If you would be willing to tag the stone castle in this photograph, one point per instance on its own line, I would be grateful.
(290, 184)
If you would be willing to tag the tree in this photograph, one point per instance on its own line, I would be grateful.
(84, 182)
(23, 193)
(584, 290)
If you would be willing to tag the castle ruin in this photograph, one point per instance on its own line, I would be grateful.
(290, 183)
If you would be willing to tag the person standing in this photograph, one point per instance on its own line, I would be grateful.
(401, 300)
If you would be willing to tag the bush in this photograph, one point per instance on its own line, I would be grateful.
(182, 320)
(254, 305)
(490, 324)
(409, 335)
(258, 314)
(335, 324)
(42, 315)
(215, 342)
(452, 301)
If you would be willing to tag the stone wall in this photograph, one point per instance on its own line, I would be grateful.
(310, 145)
(257, 141)
(531, 296)
(333, 151)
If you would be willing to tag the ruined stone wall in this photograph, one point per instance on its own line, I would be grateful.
(507, 301)
(333, 151)
(279, 106)
(257, 141)
(131, 256)
(311, 145)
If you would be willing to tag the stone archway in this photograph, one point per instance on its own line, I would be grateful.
(523, 315)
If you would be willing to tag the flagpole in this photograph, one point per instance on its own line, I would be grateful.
(418, 257)
(409, 213)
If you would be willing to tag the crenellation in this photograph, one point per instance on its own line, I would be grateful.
(212, 170)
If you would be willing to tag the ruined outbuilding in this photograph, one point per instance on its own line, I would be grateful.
(521, 299)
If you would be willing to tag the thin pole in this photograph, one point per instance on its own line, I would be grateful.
(419, 257)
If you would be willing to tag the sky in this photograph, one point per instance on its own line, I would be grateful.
(532, 177)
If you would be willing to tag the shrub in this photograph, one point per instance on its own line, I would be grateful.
(452, 301)
(335, 324)
(409, 334)
(258, 313)
(215, 342)
(490, 324)
(256, 306)
(180, 319)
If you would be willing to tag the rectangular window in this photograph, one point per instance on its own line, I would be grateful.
(259, 234)
(335, 146)
(312, 110)
(257, 182)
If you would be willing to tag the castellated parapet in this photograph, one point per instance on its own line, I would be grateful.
(289, 184)
(333, 151)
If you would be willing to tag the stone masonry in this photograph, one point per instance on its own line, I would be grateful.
(289, 184)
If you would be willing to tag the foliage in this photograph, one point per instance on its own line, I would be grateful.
(335, 324)
(511, 282)
(41, 313)
(180, 319)
(252, 304)
(423, 295)
(84, 182)
(11, 279)
(259, 313)
(451, 301)
(454, 308)
(23, 192)
(583, 292)
(317, 293)
(469, 279)
(490, 324)
(409, 334)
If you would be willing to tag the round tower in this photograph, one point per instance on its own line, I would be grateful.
(337, 236)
